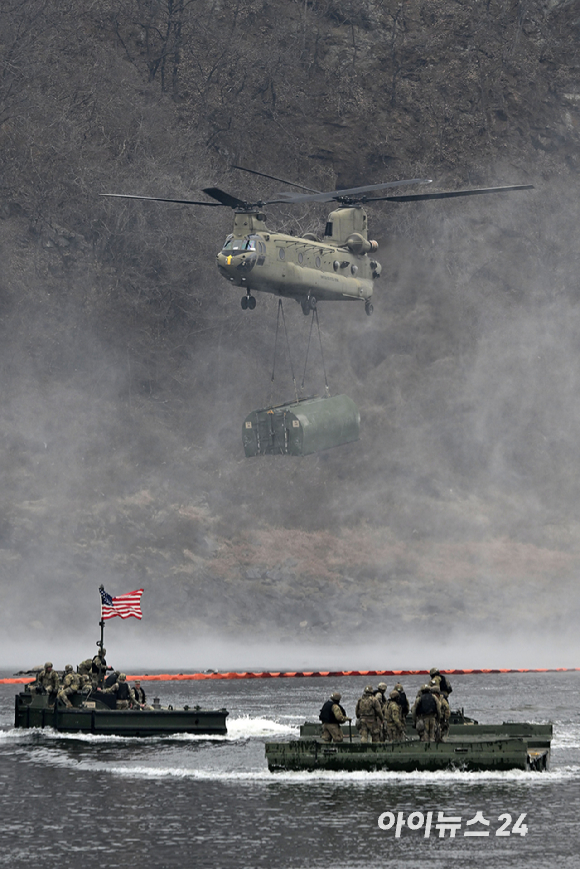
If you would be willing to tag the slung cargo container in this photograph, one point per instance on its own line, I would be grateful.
(301, 427)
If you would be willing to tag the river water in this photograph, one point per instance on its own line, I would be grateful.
(193, 801)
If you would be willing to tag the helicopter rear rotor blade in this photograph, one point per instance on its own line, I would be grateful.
(160, 199)
(414, 197)
(273, 178)
(349, 193)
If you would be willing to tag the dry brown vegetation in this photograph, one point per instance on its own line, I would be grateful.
(127, 365)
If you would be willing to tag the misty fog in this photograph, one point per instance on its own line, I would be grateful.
(448, 535)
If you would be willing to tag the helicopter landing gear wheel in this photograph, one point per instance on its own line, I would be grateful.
(308, 305)
(368, 309)
(251, 303)
(244, 303)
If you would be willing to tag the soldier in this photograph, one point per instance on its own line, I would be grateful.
(46, 681)
(404, 703)
(394, 721)
(380, 694)
(445, 712)
(85, 668)
(383, 700)
(332, 716)
(442, 681)
(138, 696)
(122, 692)
(71, 684)
(99, 667)
(368, 710)
(426, 712)
(85, 682)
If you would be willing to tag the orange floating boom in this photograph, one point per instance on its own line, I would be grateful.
(183, 677)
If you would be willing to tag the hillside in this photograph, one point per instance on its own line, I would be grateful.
(128, 366)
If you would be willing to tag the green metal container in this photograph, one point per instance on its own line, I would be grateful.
(302, 427)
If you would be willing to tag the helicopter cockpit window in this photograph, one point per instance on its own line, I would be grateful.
(239, 245)
(328, 230)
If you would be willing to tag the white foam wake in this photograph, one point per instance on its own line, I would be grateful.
(247, 727)
(427, 779)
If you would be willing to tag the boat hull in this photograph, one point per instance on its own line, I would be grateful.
(95, 718)
(496, 754)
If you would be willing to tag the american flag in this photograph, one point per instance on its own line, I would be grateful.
(124, 605)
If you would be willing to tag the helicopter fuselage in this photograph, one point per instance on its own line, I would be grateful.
(337, 268)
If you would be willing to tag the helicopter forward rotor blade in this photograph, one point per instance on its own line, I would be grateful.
(414, 197)
(226, 198)
(349, 193)
(159, 199)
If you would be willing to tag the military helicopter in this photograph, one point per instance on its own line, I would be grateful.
(339, 267)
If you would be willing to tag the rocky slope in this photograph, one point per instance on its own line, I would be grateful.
(128, 366)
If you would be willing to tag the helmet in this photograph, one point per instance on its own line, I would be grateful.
(394, 695)
(68, 668)
(48, 665)
(382, 686)
(424, 689)
(433, 671)
(336, 696)
(368, 689)
(102, 652)
(122, 677)
(398, 687)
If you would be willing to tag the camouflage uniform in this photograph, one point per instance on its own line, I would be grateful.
(122, 692)
(85, 668)
(99, 667)
(85, 681)
(426, 713)
(47, 680)
(138, 697)
(444, 714)
(332, 716)
(442, 682)
(394, 721)
(403, 702)
(70, 685)
(368, 710)
(380, 695)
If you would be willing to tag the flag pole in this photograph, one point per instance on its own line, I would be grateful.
(101, 642)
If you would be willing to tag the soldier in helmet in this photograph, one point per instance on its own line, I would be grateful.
(402, 699)
(47, 681)
(426, 713)
(380, 694)
(394, 721)
(138, 697)
(121, 691)
(368, 710)
(99, 667)
(85, 668)
(70, 685)
(332, 716)
(442, 681)
(444, 714)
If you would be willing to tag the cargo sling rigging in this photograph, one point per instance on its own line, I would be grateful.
(280, 315)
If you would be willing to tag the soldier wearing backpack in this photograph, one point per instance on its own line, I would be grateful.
(442, 681)
(332, 716)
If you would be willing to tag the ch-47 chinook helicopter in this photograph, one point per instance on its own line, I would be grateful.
(340, 267)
